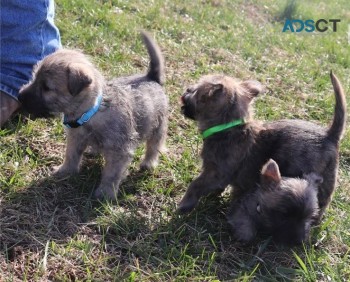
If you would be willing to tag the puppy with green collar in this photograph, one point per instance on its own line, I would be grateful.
(113, 116)
(235, 146)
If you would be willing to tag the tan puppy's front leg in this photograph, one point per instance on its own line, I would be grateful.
(116, 164)
(74, 151)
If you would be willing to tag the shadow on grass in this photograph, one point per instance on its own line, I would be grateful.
(139, 235)
(289, 11)
(197, 245)
(47, 210)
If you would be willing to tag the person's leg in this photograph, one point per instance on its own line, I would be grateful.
(28, 34)
(8, 106)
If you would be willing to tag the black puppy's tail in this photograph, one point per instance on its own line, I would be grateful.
(156, 66)
(337, 127)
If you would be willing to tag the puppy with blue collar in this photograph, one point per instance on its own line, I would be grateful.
(113, 116)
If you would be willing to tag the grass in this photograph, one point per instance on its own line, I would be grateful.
(55, 231)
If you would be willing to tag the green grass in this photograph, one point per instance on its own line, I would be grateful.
(55, 231)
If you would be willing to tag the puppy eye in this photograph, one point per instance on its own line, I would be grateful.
(191, 90)
(258, 209)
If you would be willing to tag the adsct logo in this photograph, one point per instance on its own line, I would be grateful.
(320, 25)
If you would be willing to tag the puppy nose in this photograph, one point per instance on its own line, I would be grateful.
(182, 99)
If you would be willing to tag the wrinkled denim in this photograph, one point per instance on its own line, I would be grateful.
(28, 34)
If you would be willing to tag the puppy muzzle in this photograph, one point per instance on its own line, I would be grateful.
(188, 108)
(34, 105)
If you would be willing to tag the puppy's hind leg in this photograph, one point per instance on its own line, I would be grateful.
(154, 145)
(325, 191)
(116, 164)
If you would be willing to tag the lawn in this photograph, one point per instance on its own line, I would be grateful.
(54, 230)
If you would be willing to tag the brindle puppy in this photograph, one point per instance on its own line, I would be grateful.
(132, 109)
(279, 206)
(235, 155)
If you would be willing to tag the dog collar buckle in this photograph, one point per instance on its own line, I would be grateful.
(71, 124)
(85, 117)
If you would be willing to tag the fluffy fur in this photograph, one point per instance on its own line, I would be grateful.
(134, 109)
(235, 156)
(279, 206)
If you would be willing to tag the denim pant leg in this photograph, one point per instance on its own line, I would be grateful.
(28, 34)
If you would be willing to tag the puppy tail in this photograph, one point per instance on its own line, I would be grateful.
(337, 127)
(156, 66)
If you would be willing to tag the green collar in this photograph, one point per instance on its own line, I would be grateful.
(221, 127)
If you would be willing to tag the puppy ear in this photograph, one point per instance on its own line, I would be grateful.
(270, 175)
(215, 89)
(253, 87)
(78, 79)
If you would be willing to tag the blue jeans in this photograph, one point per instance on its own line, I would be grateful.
(28, 34)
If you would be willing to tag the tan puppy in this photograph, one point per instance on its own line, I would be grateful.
(113, 117)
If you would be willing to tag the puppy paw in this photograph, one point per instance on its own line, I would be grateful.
(164, 149)
(148, 165)
(125, 174)
(187, 205)
(104, 192)
(61, 172)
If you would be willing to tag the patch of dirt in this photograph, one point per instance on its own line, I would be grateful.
(256, 14)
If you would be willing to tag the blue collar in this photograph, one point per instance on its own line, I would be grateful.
(85, 116)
